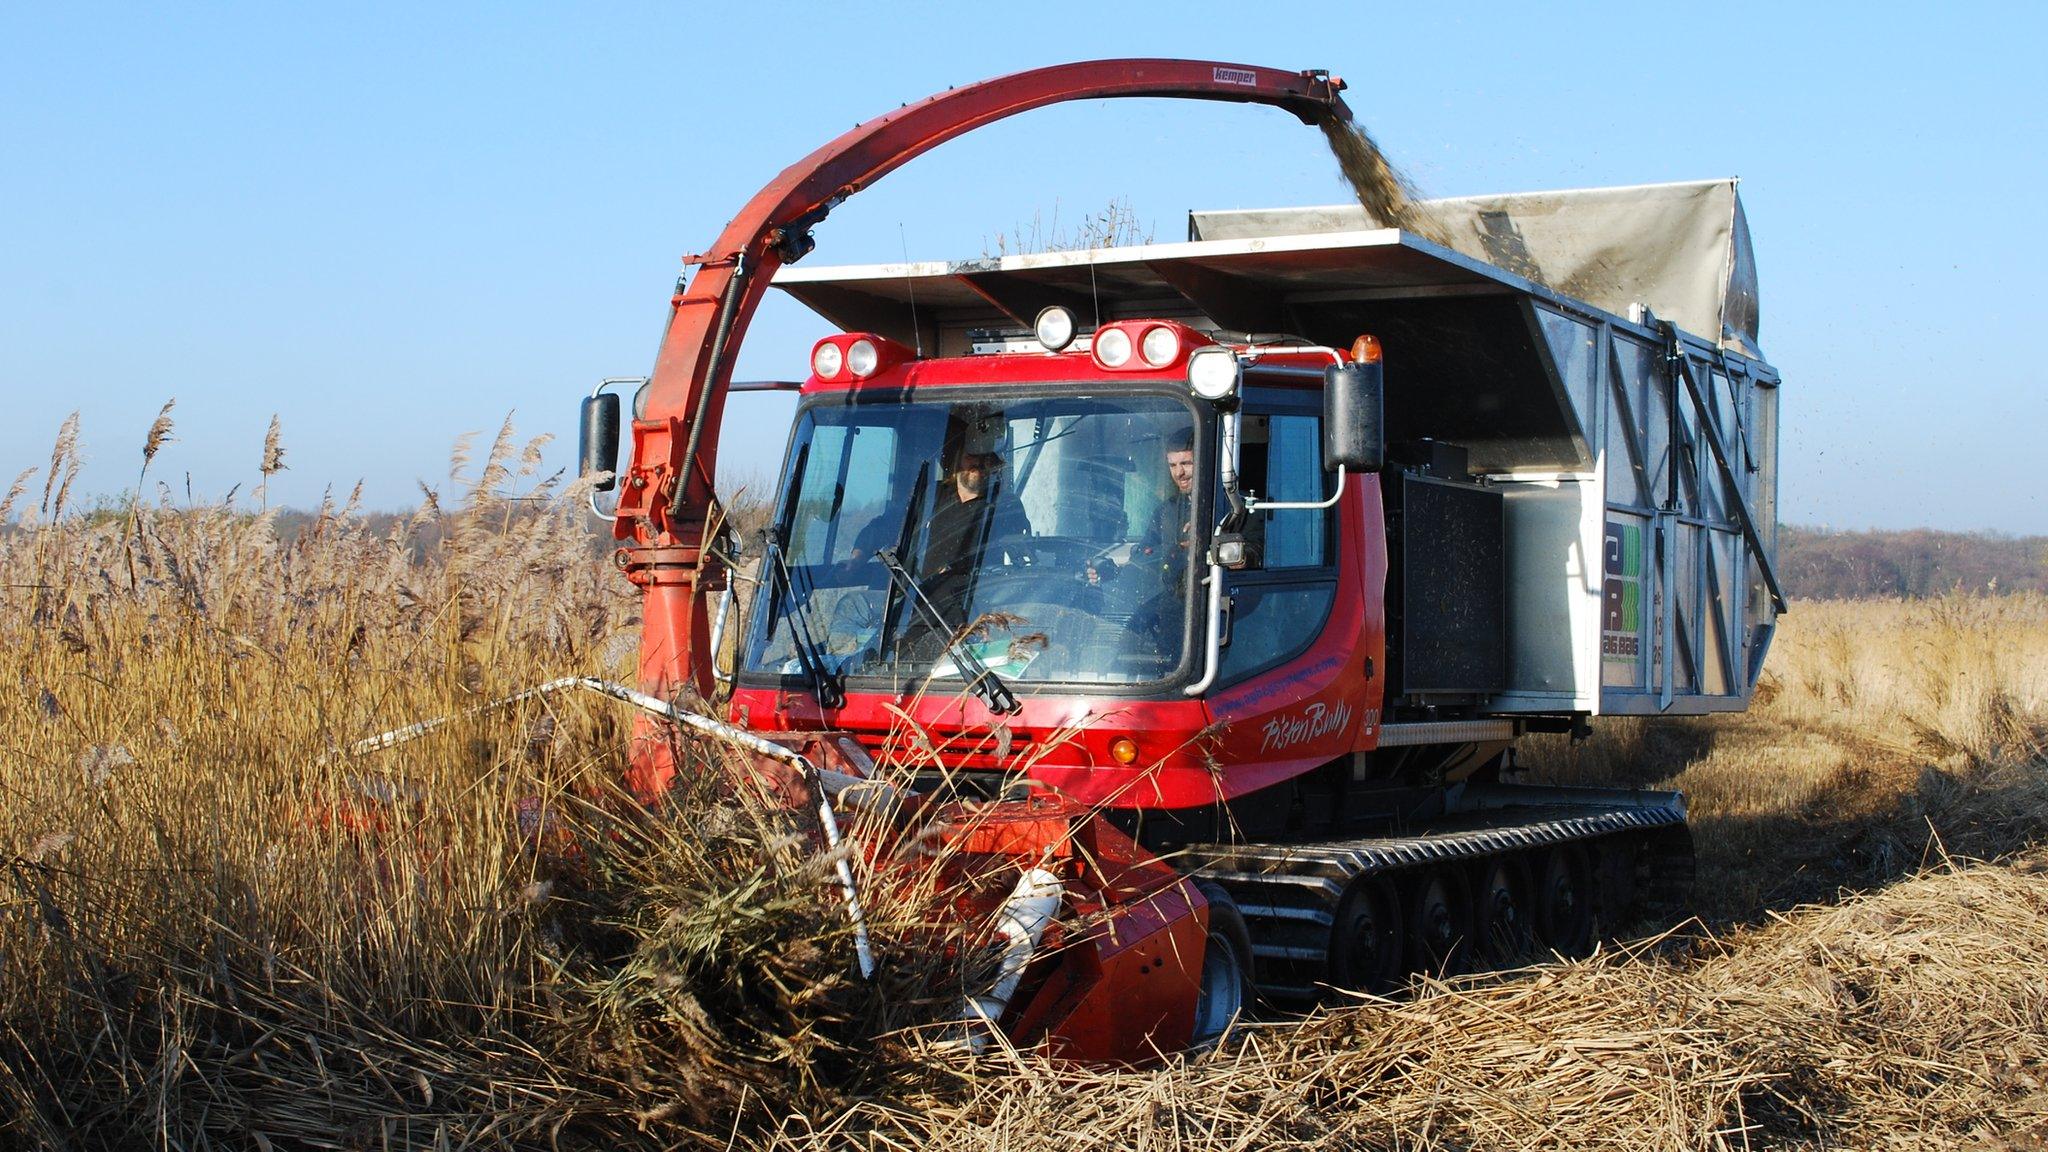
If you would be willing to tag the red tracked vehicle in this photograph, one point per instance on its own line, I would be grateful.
(1263, 568)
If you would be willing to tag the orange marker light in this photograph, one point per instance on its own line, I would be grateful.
(1124, 750)
(1365, 350)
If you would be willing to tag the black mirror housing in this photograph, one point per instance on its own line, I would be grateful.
(1354, 417)
(599, 439)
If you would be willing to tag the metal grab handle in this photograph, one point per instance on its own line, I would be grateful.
(1256, 505)
(1212, 648)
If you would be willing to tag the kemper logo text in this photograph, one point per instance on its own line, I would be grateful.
(1311, 722)
(1242, 76)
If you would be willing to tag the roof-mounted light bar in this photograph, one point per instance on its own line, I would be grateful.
(1136, 345)
(856, 356)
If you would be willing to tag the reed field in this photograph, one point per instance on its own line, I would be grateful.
(222, 928)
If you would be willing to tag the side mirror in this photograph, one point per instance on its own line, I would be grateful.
(1354, 417)
(600, 438)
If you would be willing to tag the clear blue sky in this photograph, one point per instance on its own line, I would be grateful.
(393, 224)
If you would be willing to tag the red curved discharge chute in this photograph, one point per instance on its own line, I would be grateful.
(667, 501)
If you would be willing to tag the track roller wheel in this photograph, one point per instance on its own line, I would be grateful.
(1620, 865)
(1564, 901)
(1503, 910)
(1668, 873)
(1366, 939)
(1226, 992)
(1440, 921)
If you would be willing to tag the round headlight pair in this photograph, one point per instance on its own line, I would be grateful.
(861, 357)
(1159, 347)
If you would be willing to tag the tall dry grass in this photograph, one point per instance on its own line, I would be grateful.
(1883, 732)
(216, 932)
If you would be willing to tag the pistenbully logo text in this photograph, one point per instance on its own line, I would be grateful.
(1316, 720)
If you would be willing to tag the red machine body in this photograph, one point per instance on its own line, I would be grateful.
(1285, 622)
(1127, 989)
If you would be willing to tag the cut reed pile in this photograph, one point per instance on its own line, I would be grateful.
(217, 933)
(1917, 1017)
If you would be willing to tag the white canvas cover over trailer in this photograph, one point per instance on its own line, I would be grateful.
(1681, 250)
(1637, 455)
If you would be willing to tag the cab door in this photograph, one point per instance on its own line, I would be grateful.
(1281, 600)
(1301, 673)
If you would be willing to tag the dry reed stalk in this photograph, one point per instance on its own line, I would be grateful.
(273, 449)
(159, 434)
(530, 456)
(63, 452)
(459, 455)
(14, 493)
(272, 462)
(209, 888)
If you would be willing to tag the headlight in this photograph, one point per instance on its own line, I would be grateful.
(862, 357)
(826, 360)
(1212, 373)
(1160, 346)
(1113, 347)
(1054, 327)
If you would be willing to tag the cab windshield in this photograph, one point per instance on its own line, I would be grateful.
(1052, 536)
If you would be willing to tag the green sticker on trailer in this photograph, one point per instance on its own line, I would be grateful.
(1621, 597)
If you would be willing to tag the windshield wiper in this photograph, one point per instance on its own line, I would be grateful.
(984, 683)
(905, 534)
(810, 653)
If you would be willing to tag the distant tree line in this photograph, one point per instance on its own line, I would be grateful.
(746, 515)
(1813, 563)
(1818, 564)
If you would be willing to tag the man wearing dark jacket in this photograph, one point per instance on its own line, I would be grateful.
(959, 534)
(1173, 527)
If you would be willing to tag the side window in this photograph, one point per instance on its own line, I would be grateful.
(1295, 538)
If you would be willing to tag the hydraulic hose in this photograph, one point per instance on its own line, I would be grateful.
(728, 311)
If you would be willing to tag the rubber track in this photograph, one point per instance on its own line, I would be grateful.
(1289, 892)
